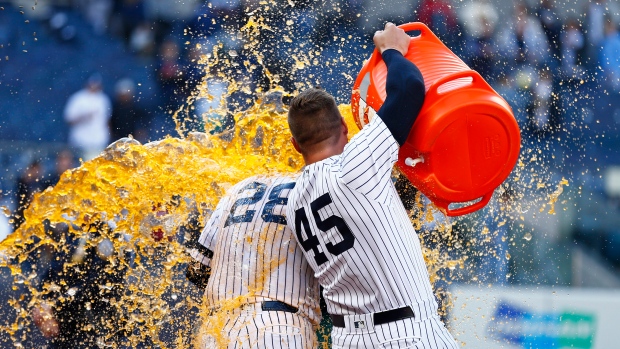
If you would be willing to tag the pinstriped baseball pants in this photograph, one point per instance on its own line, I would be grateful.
(257, 329)
(407, 333)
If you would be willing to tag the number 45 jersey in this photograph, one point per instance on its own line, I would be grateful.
(355, 232)
(251, 251)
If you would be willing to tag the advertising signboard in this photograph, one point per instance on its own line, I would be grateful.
(535, 317)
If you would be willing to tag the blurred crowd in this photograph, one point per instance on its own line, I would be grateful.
(536, 55)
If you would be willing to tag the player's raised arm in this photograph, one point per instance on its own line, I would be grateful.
(368, 159)
(404, 82)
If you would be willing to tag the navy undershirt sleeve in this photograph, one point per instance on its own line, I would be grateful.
(405, 95)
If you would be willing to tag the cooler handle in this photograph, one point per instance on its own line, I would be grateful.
(477, 81)
(467, 209)
(425, 32)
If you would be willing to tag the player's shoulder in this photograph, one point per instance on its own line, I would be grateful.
(375, 125)
(270, 179)
(371, 135)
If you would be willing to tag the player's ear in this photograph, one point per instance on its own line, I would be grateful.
(345, 128)
(295, 145)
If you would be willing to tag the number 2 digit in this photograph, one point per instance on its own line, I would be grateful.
(267, 215)
(249, 214)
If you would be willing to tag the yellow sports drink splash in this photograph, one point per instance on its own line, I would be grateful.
(138, 200)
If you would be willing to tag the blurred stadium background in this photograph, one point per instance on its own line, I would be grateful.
(556, 63)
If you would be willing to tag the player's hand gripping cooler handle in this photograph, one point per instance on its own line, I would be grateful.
(424, 31)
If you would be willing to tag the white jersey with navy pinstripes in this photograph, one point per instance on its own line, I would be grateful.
(254, 252)
(355, 231)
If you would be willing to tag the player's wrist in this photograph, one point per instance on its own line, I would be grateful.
(388, 50)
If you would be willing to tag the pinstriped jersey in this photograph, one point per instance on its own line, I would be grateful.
(253, 251)
(355, 232)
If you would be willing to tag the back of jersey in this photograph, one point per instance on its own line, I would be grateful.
(254, 252)
(355, 232)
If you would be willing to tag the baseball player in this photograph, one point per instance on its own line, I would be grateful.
(349, 221)
(246, 254)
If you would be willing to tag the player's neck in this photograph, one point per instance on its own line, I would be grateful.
(327, 148)
(322, 154)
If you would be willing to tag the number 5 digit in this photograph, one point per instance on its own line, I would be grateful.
(331, 222)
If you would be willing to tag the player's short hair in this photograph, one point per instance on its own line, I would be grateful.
(313, 117)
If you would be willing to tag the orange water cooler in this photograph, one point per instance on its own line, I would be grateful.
(465, 140)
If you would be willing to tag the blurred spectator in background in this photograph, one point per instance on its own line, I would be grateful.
(596, 12)
(62, 28)
(65, 160)
(439, 16)
(523, 41)
(5, 226)
(610, 55)
(80, 288)
(142, 40)
(170, 74)
(163, 14)
(552, 25)
(88, 113)
(506, 87)
(128, 118)
(482, 52)
(98, 13)
(477, 16)
(128, 15)
(29, 182)
(8, 33)
(542, 112)
(572, 45)
(326, 20)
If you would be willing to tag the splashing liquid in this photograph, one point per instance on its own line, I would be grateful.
(132, 205)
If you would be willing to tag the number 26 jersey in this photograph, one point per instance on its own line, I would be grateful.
(254, 253)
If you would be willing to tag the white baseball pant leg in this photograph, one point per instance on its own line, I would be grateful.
(257, 329)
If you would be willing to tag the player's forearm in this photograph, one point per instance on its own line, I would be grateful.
(405, 95)
(198, 274)
(199, 268)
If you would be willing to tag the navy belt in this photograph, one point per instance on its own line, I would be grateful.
(277, 306)
(265, 306)
(379, 318)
